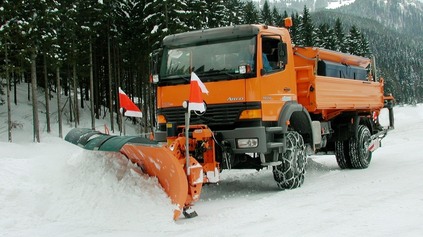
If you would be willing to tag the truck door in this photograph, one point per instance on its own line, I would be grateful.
(277, 75)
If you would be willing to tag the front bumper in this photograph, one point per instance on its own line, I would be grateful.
(231, 137)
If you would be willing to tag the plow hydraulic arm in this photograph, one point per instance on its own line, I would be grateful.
(165, 162)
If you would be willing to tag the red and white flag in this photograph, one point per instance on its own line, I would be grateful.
(129, 108)
(197, 87)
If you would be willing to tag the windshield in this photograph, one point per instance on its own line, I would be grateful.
(217, 58)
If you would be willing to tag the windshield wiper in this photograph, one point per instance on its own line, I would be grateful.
(218, 73)
(176, 77)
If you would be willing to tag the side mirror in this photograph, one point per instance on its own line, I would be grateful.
(282, 54)
(155, 65)
(155, 78)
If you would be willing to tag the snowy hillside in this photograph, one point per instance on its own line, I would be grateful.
(311, 4)
(57, 189)
(337, 4)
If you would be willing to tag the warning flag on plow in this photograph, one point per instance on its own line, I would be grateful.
(197, 87)
(129, 108)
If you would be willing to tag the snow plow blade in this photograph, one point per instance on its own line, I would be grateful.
(152, 159)
(159, 162)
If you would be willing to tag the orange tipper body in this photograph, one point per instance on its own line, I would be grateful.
(329, 96)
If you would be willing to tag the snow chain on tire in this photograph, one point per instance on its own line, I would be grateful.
(290, 174)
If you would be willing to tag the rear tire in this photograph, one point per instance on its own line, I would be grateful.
(359, 153)
(290, 174)
(342, 154)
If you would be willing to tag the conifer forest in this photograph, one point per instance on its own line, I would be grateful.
(87, 49)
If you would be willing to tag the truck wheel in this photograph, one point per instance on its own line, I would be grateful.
(359, 153)
(342, 154)
(290, 174)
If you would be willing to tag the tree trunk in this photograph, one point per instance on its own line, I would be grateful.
(96, 82)
(71, 110)
(75, 94)
(86, 90)
(144, 104)
(59, 109)
(34, 97)
(69, 95)
(139, 94)
(15, 96)
(29, 90)
(92, 86)
(117, 65)
(111, 91)
(81, 93)
(46, 94)
(9, 112)
(65, 84)
(151, 106)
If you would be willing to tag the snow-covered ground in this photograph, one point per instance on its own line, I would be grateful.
(57, 189)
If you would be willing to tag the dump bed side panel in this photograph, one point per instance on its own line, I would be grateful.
(320, 93)
(333, 93)
(330, 95)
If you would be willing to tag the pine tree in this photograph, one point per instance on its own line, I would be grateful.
(30, 25)
(251, 13)
(331, 39)
(177, 16)
(295, 28)
(277, 17)
(321, 33)
(285, 14)
(266, 15)
(306, 29)
(48, 47)
(196, 14)
(364, 46)
(7, 44)
(234, 12)
(325, 37)
(164, 17)
(340, 37)
(88, 15)
(215, 13)
(354, 39)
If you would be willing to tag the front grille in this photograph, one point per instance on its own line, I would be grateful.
(216, 116)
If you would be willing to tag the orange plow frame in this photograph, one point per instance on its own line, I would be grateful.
(159, 162)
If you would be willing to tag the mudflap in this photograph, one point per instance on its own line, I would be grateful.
(159, 162)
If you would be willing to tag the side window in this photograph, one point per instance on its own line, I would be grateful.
(271, 54)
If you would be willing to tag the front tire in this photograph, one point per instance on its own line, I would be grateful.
(290, 174)
(359, 152)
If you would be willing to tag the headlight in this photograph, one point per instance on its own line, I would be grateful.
(247, 143)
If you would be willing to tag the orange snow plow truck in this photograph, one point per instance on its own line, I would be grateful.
(270, 104)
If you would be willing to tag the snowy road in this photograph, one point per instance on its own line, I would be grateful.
(57, 189)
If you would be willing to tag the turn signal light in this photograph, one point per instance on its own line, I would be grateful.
(161, 119)
(250, 114)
